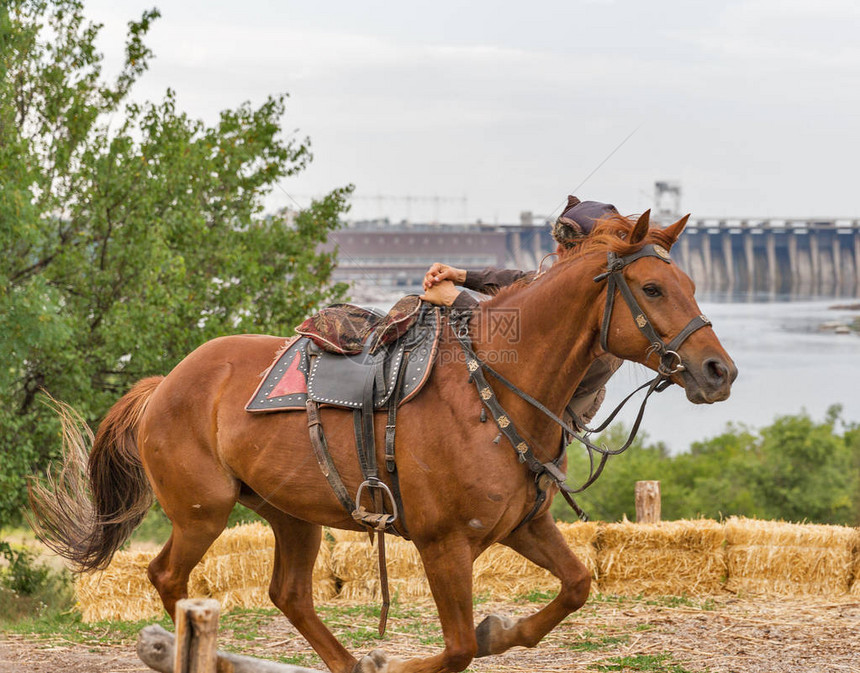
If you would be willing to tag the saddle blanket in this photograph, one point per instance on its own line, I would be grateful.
(301, 370)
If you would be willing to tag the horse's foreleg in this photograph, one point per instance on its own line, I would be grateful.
(448, 565)
(541, 542)
(297, 544)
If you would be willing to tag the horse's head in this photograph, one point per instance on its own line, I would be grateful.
(668, 332)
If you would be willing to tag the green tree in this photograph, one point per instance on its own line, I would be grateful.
(794, 469)
(716, 477)
(852, 441)
(130, 233)
(808, 472)
(612, 496)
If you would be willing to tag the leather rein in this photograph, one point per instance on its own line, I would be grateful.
(549, 473)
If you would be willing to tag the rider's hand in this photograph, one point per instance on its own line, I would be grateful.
(442, 293)
(441, 272)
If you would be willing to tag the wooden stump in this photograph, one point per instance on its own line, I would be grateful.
(647, 501)
(196, 635)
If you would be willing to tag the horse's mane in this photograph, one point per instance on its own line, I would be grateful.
(609, 234)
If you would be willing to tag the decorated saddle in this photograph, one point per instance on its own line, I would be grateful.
(336, 350)
(356, 359)
(348, 330)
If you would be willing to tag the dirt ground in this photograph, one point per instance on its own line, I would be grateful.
(719, 635)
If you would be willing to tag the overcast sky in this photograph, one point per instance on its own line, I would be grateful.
(752, 105)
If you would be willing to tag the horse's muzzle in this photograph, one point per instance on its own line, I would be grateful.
(711, 381)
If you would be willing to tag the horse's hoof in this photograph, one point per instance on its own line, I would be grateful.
(489, 634)
(375, 662)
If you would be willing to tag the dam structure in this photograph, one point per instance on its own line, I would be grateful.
(762, 257)
(815, 257)
(756, 256)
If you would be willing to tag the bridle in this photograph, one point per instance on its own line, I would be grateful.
(670, 361)
(549, 473)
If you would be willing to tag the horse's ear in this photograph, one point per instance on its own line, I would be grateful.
(673, 231)
(641, 229)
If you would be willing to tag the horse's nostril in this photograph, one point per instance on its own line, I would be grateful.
(716, 371)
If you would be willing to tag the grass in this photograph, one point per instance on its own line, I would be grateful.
(246, 623)
(68, 626)
(662, 601)
(659, 663)
(682, 602)
(305, 660)
(250, 632)
(356, 625)
(588, 641)
(536, 597)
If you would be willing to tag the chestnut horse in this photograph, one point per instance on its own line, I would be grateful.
(188, 438)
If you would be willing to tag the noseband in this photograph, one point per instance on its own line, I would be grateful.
(670, 363)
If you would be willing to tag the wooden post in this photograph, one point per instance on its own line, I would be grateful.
(196, 635)
(647, 501)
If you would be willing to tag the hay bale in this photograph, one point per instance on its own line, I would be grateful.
(667, 558)
(581, 537)
(122, 591)
(499, 572)
(236, 571)
(855, 583)
(788, 559)
(354, 562)
(339, 535)
(504, 574)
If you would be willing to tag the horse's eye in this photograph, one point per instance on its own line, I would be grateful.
(651, 290)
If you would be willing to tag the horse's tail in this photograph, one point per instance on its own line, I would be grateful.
(89, 508)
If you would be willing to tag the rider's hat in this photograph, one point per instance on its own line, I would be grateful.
(578, 219)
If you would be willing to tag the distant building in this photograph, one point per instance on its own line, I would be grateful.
(388, 257)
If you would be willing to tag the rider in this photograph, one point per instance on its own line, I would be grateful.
(572, 226)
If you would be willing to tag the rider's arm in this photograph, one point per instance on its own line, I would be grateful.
(487, 281)
(464, 300)
(440, 279)
(491, 279)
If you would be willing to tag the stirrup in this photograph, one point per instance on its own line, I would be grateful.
(376, 520)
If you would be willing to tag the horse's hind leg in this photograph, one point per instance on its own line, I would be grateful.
(541, 542)
(170, 570)
(297, 544)
(197, 497)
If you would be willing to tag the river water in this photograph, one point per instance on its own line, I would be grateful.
(786, 364)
